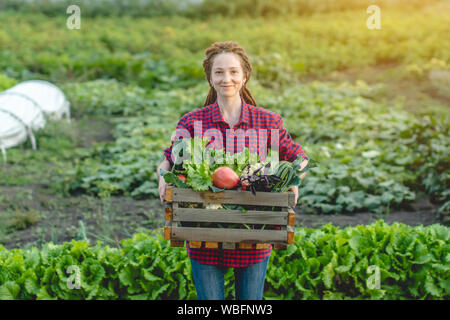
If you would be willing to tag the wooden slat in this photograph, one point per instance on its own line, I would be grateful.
(169, 214)
(195, 244)
(228, 235)
(279, 246)
(291, 199)
(277, 199)
(263, 246)
(167, 233)
(211, 245)
(229, 245)
(243, 245)
(169, 194)
(230, 216)
(291, 234)
(176, 243)
(291, 217)
(290, 238)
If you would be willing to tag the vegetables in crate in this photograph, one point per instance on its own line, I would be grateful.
(225, 178)
(202, 169)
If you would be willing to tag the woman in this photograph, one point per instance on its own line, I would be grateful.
(230, 105)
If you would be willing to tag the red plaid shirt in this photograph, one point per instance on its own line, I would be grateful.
(208, 122)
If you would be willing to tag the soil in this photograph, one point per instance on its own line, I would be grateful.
(420, 213)
(93, 129)
(107, 220)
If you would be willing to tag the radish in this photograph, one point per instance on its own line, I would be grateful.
(225, 178)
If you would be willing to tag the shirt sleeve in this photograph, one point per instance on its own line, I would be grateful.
(183, 130)
(289, 150)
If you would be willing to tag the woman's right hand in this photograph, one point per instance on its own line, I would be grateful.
(162, 189)
(162, 183)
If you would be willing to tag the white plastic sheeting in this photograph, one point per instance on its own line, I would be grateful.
(24, 109)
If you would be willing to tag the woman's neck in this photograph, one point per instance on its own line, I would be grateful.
(230, 107)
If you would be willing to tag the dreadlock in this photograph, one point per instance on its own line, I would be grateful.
(225, 47)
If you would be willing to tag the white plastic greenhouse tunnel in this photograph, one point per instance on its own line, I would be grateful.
(25, 108)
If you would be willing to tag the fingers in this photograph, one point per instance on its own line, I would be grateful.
(303, 165)
(162, 190)
(295, 190)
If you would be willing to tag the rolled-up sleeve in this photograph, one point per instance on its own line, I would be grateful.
(183, 130)
(289, 150)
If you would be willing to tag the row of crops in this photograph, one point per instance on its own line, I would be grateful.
(167, 52)
(377, 261)
(365, 155)
(197, 9)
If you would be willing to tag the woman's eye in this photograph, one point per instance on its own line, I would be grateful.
(231, 71)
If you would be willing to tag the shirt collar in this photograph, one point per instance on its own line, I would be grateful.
(245, 113)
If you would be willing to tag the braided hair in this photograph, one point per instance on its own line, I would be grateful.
(225, 47)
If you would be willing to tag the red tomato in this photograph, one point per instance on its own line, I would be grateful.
(182, 178)
(225, 178)
(244, 185)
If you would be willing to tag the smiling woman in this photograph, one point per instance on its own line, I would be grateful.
(230, 106)
(227, 83)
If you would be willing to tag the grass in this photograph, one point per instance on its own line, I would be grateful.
(17, 219)
(56, 148)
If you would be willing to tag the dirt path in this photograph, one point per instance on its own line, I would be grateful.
(423, 212)
(30, 216)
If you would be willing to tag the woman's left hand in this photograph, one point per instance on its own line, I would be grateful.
(302, 176)
(295, 190)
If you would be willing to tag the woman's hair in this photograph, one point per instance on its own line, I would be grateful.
(225, 47)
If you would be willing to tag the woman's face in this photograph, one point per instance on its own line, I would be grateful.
(227, 75)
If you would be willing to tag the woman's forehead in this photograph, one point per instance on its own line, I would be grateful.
(226, 61)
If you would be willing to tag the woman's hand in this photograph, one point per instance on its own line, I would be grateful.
(162, 183)
(302, 176)
(162, 189)
(295, 190)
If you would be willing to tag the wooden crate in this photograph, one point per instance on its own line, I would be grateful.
(178, 215)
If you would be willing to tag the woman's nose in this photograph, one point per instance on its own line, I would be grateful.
(227, 77)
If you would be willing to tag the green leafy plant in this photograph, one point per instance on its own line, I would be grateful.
(377, 261)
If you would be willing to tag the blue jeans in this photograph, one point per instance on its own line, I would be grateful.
(209, 281)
